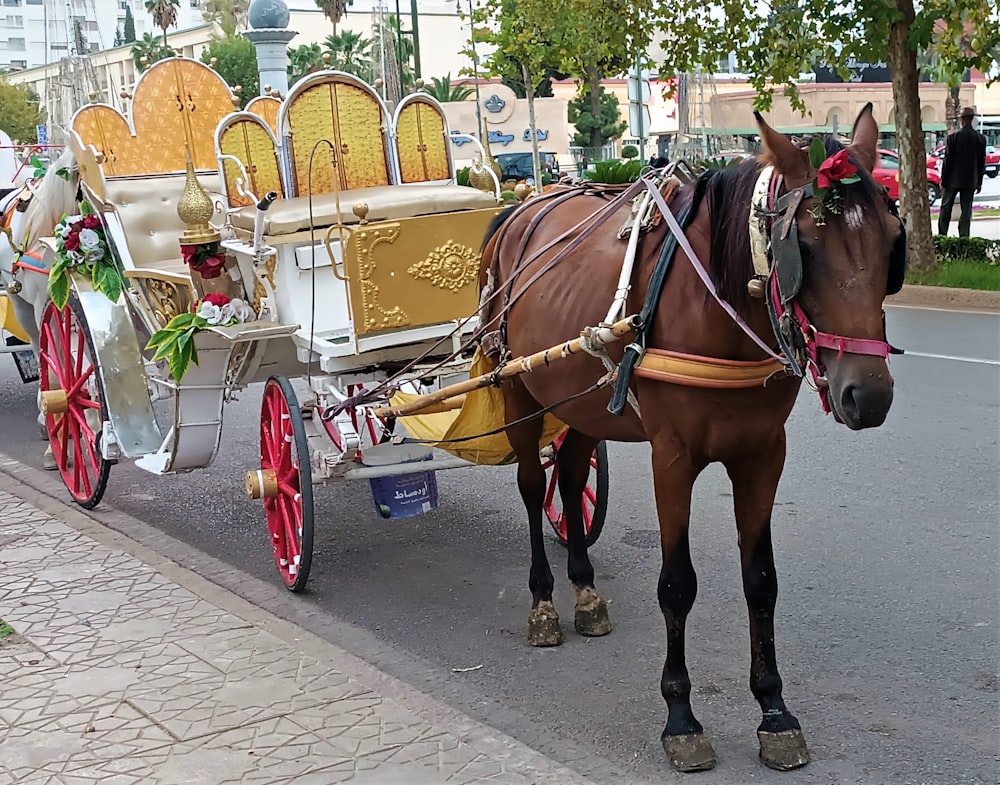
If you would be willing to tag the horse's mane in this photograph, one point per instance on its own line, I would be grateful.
(54, 197)
(729, 193)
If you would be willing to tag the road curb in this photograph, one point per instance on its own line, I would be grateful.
(943, 297)
(255, 604)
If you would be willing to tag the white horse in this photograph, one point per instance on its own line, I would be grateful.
(24, 261)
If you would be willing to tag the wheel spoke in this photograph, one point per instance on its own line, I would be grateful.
(78, 383)
(81, 348)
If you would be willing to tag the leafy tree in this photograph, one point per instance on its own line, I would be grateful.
(19, 112)
(150, 48)
(128, 34)
(595, 131)
(164, 13)
(229, 15)
(303, 60)
(236, 62)
(334, 10)
(79, 38)
(444, 91)
(777, 43)
(350, 52)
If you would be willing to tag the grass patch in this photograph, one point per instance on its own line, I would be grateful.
(959, 274)
(5, 630)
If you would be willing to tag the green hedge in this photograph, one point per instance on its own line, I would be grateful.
(967, 249)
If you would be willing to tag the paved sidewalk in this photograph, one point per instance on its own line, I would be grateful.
(124, 673)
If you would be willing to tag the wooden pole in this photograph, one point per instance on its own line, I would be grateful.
(592, 338)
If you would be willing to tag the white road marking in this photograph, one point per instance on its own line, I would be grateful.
(978, 360)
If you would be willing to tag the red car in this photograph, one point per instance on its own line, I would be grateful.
(887, 173)
(992, 161)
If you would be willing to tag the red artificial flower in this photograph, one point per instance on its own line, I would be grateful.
(216, 298)
(198, 257)
(72, 241)
(834, 169)
(91, 222)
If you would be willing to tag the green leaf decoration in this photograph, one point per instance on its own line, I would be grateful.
(85, 208)
(59, 286)
(817, 152)
(175, 343)
(851, 180)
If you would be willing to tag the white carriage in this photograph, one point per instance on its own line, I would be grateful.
(366, 261)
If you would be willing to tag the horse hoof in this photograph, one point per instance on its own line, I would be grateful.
(690, 752)
(49, 461)
(543, 626)
(592, 618)
(783, 751)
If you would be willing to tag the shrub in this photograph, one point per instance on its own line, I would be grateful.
(508, 196)
(970, 249)
(546, 179)
(615, 172)
(462, 176)
(630, 151)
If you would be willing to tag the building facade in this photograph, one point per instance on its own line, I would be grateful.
(36, 33)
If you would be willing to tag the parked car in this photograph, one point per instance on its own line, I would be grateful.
(887, 173)
(518, 166)
(992, 161)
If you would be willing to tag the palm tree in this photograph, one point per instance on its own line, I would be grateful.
(350, 52)
(229, 15)
(164, 14)
(334, 10)
(400, 43)
(150, 48)
(303, 60)
(444, 91)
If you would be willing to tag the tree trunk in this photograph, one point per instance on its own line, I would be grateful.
(594, 84)
(956, 106)
(913, 202)
(529, 91)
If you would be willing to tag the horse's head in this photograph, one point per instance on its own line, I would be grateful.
(837, 248)
(56, 195)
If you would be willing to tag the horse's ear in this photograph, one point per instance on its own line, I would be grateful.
(781, 153)
(864, 138)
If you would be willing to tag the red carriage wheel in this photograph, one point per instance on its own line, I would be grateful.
(595, 496)
(73, 402)
(285, 482)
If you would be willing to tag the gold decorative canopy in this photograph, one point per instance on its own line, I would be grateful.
(176, 107)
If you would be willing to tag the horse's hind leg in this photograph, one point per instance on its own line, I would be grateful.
(683, 738)
(755, 481)
(543, 621)
(591, 616)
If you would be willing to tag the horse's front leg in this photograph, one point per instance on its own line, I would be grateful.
(543, 621)
(683, 738)
(755, 482)
(591, 615)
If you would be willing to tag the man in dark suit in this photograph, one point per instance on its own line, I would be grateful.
(962, 173)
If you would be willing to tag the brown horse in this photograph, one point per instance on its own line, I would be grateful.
(827, 267)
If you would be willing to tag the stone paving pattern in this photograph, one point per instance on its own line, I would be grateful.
(119, 676)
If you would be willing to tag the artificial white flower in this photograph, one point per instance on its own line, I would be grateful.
(242, 311)
(89, 240)
(62, 231)
(210, 313)
(227, 313)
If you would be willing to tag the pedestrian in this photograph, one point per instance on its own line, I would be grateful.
(962, 172)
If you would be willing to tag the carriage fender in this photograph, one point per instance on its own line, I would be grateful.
(118, 360)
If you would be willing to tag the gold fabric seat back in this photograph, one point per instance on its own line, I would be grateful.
(340, 124)
(422, 145)
(247, 138)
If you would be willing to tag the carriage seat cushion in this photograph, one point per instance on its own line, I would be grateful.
(386, 202)
(147, 209)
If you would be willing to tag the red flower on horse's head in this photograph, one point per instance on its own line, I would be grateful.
(834, 169)
(216, 298)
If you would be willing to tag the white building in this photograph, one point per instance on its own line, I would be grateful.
(38, 32)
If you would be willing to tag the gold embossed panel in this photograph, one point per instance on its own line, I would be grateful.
(350, 117)
(266, 108)
(247, 138)
(415, 271)
(177, 104)
(421, 142)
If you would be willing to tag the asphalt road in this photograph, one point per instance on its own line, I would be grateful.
(887, 546)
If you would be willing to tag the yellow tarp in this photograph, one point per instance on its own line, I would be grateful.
(8, 320)
(481, 412)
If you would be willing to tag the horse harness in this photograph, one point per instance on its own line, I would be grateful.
(778, 268)
(19, 201)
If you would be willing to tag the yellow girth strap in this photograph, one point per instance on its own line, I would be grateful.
(691, 370)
